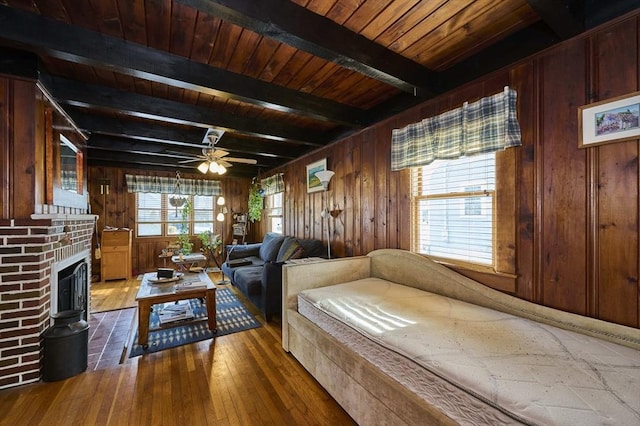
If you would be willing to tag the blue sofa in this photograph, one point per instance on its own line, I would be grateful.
(256, 269)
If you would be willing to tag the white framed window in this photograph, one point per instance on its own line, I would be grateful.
(273, 209)
(453, 209)
(156, 217)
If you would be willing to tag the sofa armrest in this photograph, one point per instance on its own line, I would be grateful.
(271, 288)
(243, 250)
(302, 276)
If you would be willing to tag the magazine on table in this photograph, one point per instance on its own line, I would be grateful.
(172, 312)
(189, 285)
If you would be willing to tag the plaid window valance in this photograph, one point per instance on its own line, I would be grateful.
(273, 184)
(167, 185)
(489, 124)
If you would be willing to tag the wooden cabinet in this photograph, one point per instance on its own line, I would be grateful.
(116, 254)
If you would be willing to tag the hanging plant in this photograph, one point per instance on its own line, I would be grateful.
(183, 238)
(255, 202)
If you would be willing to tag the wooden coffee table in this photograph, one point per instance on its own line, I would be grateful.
(150, 294)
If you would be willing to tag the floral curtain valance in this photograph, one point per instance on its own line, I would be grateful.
(489, 124)
(273, 184)
(167, 185)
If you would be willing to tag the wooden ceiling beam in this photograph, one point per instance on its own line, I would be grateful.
(127, 163)
(599, 12)
(236, 147)
(69, 92)
(86, 47)
(289, 23)
(564, 21)
(135, 129)
(114, 146)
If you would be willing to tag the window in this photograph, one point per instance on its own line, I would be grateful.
(453, 212)
(156, 217)
(273, 209)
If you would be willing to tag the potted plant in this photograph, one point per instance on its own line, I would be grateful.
(209, 242)
(185, 244)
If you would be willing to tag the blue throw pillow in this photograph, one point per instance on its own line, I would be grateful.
(287, 249)
(270, 246)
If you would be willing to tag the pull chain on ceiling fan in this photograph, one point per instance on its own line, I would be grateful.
(215, 160)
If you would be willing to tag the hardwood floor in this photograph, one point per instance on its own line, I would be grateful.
(240, 379)
(115, 294)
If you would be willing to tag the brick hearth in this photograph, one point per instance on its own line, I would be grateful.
(28, 249)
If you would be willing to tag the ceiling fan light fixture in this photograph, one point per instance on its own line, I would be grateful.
(203, 167)
(222, 170)
(213, 167)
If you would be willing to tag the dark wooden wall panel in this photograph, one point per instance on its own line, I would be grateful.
(617, 182)
(527, 242)
(563, 175)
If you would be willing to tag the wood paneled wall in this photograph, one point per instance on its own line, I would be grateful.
(577, 209)
(117, 209)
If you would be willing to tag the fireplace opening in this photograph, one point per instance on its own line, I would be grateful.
(72, 288)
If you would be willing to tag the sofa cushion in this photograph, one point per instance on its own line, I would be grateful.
(287, 249)
(248, 278)
(313, 248)
(270, 246)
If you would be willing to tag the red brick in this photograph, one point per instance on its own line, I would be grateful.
(9, 260)
(32, 376)
(33, 222)
(31, 340)
(8, 362)
(8, 306)
(10, 287)
(7, 381)
(30, 322)
(10, 324)
(20, 277)
(42, 231)
(10, 250)
(9, 343)
(21, 295)
(30, 303)
(18, 333)
(20, 351)
(31, 358)
(25, 367)
(38, 239)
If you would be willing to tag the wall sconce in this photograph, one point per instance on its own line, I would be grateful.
(104, 186)
(336, 211)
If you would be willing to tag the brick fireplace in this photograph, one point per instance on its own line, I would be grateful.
(32, 252)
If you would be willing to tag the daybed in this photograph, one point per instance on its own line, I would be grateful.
(256, 269)
(398, 339)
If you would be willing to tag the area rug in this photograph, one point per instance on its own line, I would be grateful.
(231, 316)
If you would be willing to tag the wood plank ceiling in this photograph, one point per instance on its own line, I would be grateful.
(146, 79)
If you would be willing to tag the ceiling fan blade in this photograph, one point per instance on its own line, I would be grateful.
(219, 153)
(241, 160)
(224, 163)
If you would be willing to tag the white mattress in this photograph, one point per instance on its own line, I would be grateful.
(482, 366)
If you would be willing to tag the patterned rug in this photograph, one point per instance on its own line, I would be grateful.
(231, 316)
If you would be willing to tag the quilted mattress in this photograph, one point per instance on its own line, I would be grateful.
(480, 366)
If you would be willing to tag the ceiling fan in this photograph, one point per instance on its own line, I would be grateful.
(215, 160)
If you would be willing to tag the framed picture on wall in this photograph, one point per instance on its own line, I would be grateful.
(612, 120)
(313, 183)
